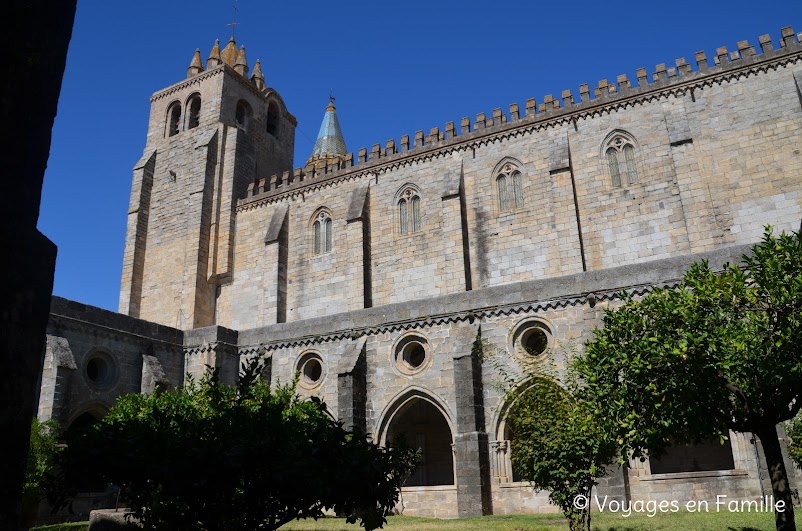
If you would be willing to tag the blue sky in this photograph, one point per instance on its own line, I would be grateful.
(395, 68)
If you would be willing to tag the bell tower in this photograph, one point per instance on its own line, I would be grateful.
(209, 137)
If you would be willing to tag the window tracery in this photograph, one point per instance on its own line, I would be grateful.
(323, 232)
(409, 211)
(510, 188)
(620, 152)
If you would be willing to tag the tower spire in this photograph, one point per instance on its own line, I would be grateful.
(257, 78)
(195, 67)
(241, 65)
(330, 145)
(214, 56)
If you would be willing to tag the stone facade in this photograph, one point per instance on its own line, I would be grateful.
(517, 227)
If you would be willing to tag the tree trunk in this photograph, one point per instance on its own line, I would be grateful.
(784, 519)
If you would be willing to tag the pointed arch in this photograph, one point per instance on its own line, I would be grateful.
(409, 209)
(321, 225)
(193, 107)
(423, 422)
(619, 153)
(501, 441)
(243, 114)
(273, 118)
(508, 176)
(173, 120)
(404, 398)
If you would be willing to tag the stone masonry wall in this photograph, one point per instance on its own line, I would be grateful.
(714, 164)
(77, 334)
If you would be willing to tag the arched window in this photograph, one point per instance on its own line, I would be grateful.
(194, 106)
(174, 119)
(409, 214)
(510, 188)
(243, 114)
(272, 118)
(322, 227)
(620, 151)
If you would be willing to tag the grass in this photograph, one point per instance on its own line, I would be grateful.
(552, 522)
(536, 522)
(72, 526)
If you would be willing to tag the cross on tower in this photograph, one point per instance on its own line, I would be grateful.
(233, 22)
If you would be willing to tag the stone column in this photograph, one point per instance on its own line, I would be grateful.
(471, 450)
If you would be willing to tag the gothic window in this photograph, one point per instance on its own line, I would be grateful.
(243, 114)
(510, 189)
(174, 119)
(409, 214)
(322, 227)
(194, 106)
(620, 152)
(272, 119)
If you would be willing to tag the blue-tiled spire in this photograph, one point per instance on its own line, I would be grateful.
(330, 145)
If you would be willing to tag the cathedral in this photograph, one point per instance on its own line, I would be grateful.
(371, 273)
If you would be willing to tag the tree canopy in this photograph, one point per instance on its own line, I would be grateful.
(211, 456)
(558, 446)
(721, 351)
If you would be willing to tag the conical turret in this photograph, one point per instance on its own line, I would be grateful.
(230, 53)
(214, 56)
(195, 67)
(330, 145)
(241, 66)
(257, 78)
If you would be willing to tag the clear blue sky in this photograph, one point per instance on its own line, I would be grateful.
(395, 68)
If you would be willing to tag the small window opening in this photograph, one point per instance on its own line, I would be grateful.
(535, 341)
(414, 355)
(174, 122)
(242, 114)
(194, 112)
(312, 371)
(272, 119)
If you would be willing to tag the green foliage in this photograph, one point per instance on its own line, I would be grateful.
(556, 443)
(211, 456)
(558, 447)
(43, 450)
(721, 351)
(793, 429)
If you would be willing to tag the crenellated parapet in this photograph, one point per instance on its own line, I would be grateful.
(606, 96)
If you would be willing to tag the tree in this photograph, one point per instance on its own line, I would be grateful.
(559, 447)
(723, 351)
(555, 443)
(211, 456)
(41, 455)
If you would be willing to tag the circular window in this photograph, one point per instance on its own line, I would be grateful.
(412, 354)
(310, 369)
(531, 339)
(100, 369)
(534, 341)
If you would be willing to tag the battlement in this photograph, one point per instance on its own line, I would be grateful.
(550, 111)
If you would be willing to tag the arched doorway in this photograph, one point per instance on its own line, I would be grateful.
(424, 426)
(78, 425)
